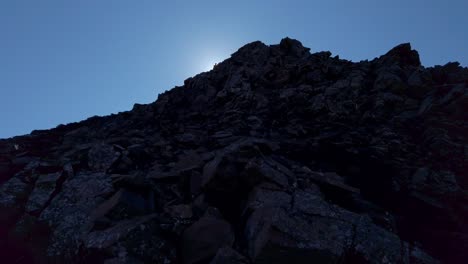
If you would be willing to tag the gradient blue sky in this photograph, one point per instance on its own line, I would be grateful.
(65, 60)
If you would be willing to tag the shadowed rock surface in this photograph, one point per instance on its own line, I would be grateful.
(276, 155)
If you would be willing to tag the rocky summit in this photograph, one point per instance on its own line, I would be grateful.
(277, 155)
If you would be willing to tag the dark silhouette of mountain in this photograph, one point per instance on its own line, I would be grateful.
(276, 155)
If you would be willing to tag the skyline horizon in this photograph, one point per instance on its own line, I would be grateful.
(63, 62)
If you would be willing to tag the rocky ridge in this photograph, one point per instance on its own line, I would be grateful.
(276, 155)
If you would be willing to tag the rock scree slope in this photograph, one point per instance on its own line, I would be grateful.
(276, 155)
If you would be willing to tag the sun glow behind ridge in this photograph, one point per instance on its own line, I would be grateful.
(208, 63)
(210, 55)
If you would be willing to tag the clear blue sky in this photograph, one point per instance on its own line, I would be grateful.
(65, 60)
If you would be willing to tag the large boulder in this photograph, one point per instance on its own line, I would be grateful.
(202, 240)
(307, 227)
(68, 214)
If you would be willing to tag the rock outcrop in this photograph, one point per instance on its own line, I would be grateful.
(276, 155)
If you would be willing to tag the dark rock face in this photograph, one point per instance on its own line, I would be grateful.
(202, 240)
(277, 155)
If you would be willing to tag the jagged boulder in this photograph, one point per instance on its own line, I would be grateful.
(202, 240)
